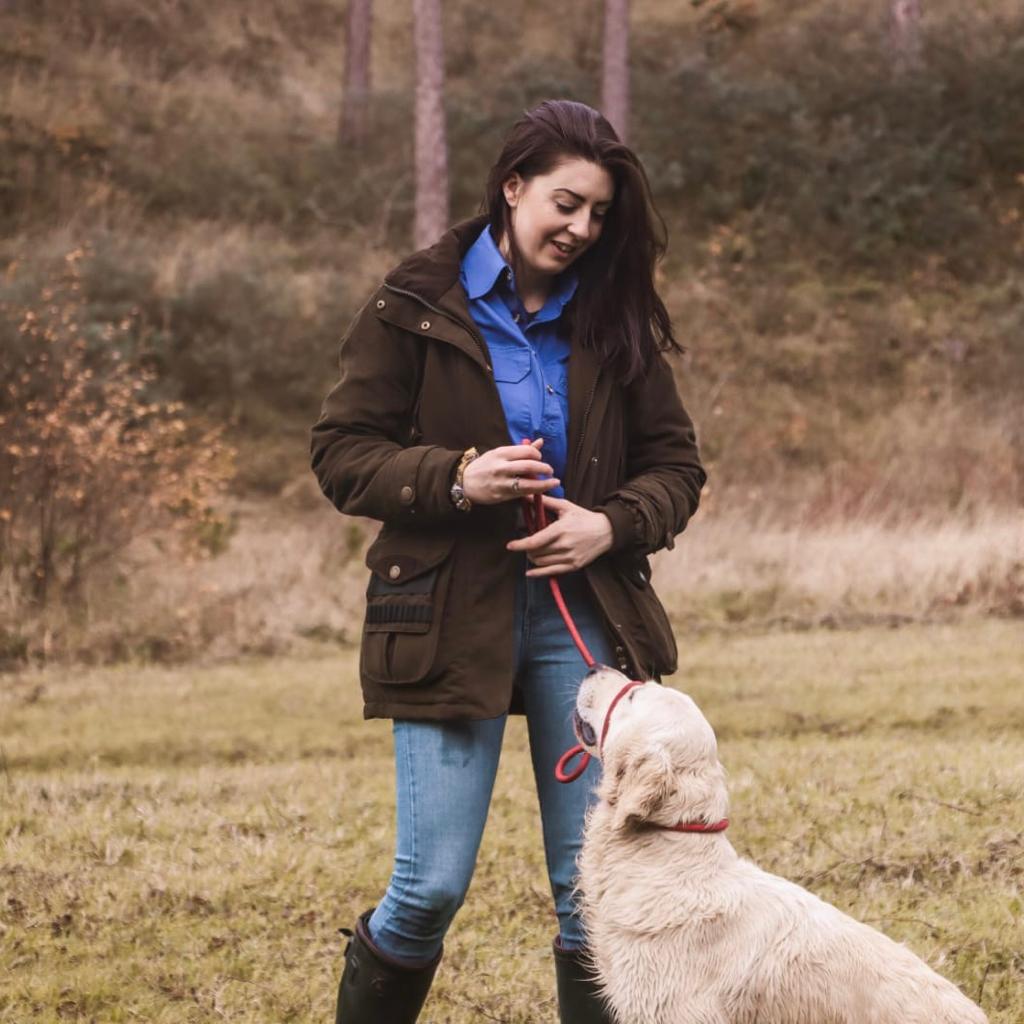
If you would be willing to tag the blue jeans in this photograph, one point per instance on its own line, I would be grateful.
(445, 774)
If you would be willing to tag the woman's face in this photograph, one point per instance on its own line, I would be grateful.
(557, 216)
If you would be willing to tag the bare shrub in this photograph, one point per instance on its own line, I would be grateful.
(87, 462)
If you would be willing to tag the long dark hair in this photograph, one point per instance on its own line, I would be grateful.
(615, 309)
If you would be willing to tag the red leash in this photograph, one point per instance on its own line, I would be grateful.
(536, 519)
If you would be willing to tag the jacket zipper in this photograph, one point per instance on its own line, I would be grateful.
(583, 427)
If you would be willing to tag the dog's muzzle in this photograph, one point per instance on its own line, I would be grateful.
(584, 731)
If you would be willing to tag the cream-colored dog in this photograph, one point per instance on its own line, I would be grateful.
(682, 930)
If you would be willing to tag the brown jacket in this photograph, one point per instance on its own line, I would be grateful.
(416, 389)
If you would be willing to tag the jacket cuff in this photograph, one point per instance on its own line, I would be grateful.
(627, 524)
(421, 481)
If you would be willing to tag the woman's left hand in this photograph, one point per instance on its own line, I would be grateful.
(573, 540)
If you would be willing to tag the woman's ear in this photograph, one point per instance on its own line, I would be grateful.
(513, 187)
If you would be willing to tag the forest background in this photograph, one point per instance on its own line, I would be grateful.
(185, 237)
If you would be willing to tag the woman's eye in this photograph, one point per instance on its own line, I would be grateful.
(596, 214)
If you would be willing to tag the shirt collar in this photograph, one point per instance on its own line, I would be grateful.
(483, 263)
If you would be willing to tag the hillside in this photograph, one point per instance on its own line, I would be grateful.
(846, 238)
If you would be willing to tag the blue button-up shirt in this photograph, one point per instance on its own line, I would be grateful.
(528, 351)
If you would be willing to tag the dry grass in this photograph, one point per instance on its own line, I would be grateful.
(736, 568)
(292, 575)
(181, 845)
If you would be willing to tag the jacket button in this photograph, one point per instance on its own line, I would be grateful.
(425, 326)
(406, 494)
(395, 571)
(594, 460)
(381, 303)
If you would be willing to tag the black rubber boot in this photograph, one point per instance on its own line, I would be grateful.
(579, 1000)
(377, 989)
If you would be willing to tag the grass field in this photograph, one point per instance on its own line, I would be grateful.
(181, 845)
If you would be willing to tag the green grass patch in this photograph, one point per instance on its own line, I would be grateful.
(181, 845)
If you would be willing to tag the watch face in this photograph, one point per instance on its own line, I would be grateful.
(459, 499)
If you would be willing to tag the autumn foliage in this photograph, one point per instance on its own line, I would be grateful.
(88, 462)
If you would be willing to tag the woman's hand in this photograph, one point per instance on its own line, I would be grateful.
(503, 474)
(573, 540)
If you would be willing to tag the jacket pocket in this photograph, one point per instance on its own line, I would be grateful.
(405, 597)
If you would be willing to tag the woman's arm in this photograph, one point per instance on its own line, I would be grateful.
(359, 446)
(664, 475)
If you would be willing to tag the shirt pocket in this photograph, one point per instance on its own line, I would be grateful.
(511, 365)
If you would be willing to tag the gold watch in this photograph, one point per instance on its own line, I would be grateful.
(458, 494)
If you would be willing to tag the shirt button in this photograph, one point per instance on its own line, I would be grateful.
(394, 572)
(380, 303)
(551, 390)
(515, 317)
(425, 326)
(406, 494)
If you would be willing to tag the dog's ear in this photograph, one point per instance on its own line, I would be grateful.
(642, 785)
(647, 780)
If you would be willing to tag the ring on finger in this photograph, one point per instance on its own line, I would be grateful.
(515, 484)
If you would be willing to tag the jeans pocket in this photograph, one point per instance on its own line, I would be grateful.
(405, 597)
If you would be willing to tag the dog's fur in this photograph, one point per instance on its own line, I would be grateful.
(684, 931)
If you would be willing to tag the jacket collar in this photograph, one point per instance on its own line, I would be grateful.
(431, 272)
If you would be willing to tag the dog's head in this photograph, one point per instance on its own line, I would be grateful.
(659, 757)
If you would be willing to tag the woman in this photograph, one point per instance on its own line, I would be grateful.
(535, 321)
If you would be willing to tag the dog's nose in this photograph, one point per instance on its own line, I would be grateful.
(596, 667)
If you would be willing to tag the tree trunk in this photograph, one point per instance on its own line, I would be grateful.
(431, 144)
(905, 34)
(615, 73)
(355, 101)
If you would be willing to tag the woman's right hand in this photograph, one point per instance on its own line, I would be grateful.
(506, 473)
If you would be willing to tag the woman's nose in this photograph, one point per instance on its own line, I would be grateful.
(579, 227)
